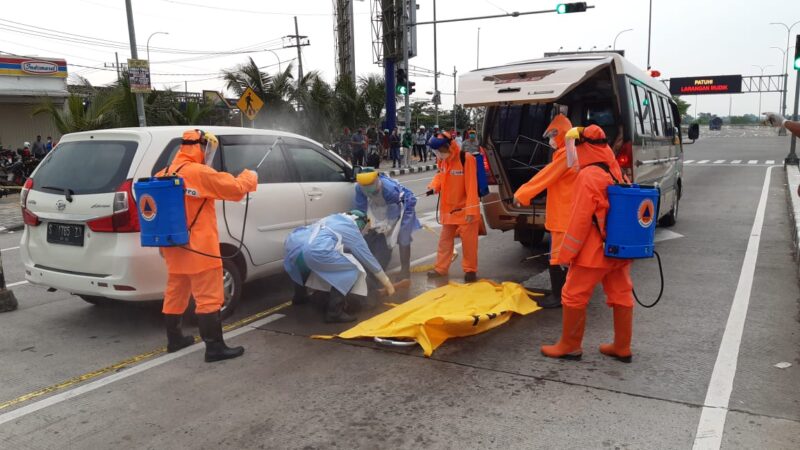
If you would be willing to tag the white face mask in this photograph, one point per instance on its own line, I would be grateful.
(552, 143)
(572, 154)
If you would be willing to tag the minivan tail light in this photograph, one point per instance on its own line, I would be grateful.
(625, 159)
(28, 217)
(124, 218)
(490, 179)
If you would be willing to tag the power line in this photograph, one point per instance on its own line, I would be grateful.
(249, 11)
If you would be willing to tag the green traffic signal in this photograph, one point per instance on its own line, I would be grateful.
(566, 8)
(561, 8)
(402, 89)
(797, 64)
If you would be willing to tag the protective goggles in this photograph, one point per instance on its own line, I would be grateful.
(550, 134)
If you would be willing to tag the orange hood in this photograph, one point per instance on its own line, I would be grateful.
(190, 152)
(594, 152)
(561, 124)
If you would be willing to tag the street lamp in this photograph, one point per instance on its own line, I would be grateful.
(785, 62)
(759, 85)
(614, 47)
(148, 42)
(276, 57)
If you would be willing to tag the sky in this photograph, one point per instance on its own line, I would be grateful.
(689, 38)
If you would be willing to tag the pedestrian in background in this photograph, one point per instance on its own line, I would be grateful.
(471, 145)
(408, 143)
(385, 152)
(394, 148)
(48, 146)
(419, 144)
(358, 147)
(38, 148)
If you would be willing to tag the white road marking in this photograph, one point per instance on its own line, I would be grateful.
(94, 385)
(715, 406)
(9, 249)
(18, 283)
(752, 161)
(736, 161)
(719, 161)
(769, 162)
(702, 162)
(688, 161)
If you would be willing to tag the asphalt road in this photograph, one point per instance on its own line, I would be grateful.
(488, 391)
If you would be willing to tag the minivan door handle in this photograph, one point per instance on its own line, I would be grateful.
(315, 194)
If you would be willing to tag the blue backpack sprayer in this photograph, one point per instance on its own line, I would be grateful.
(631, 224)
(161, 201)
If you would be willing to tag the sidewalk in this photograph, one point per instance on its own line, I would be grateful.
(793, 182)
(419, 167)
(10, 213)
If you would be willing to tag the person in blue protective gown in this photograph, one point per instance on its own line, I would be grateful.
(332, 256)
(391, 208)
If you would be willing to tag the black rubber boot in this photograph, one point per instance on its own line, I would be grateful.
(405, 262)
(175, 338)
(211, 332)
(335, 311)
(300, 295)
(470, 277)
(435, 274)
(558, 277)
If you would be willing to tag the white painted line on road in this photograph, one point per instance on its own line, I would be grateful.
(702, 162)
(715, 407)
(18, 283)
(769, 162)
(719, 161)
(688, 161)
(94, 385)
(752, 161)
(9, 249)
(736, 161)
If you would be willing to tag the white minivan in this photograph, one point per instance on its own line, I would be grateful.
(81, 225)
(634, 109)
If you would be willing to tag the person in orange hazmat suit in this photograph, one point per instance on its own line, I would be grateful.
(582, 250)
(459, 206)
(558, 179)
(196, 269)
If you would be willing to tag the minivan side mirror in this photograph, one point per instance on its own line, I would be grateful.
(694, 131)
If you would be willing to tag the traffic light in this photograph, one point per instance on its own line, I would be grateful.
(411, 88)
(797, 53)
(401, 83)
(566, 8)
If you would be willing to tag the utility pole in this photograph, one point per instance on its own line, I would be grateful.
(649, 30)
(455, 101)
(135, 55)
(116, 63)
(478, 57)
(436, 96)
(298, 42)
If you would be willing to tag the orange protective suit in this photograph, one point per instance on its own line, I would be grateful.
(559, 180)
(583, 244)
(459, 209)
(188, 272)
(582, 250)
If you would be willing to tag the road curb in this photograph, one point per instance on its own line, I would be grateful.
(413, 169)
(792, 183)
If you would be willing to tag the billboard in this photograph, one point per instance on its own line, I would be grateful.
(139, 75)
(718, 84)
(20, 66)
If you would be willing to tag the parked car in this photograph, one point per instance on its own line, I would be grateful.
(82, 230)
(635, 110)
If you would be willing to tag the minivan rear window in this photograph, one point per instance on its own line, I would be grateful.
(85, 167)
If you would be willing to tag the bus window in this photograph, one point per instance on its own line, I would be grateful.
(669, 124)
(658, 115)
(642, 110)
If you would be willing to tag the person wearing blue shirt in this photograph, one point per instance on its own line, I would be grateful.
(391, 208)
(331, 256)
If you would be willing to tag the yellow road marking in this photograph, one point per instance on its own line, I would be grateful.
(128, 362)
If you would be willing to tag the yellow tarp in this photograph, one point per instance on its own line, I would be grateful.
(453, 310)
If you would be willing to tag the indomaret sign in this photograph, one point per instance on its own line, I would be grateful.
(719, 84)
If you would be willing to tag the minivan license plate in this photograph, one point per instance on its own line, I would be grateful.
(65, 233)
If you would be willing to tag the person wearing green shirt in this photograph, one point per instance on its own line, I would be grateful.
(407, 143)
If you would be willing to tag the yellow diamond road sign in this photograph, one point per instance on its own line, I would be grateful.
(249, 103)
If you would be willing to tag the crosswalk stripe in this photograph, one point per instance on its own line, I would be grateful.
(702, 162)
(719, 161)
(752, 161)
(736, 161)
(688, 161)
(770, 162)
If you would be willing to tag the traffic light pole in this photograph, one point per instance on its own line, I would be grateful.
(792, 157)
(406, 35)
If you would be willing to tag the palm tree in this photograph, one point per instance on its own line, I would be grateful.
(348, 105)
(275, 91)
(314, 98)
(80, 114)
(193, 113)
(372, 90)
